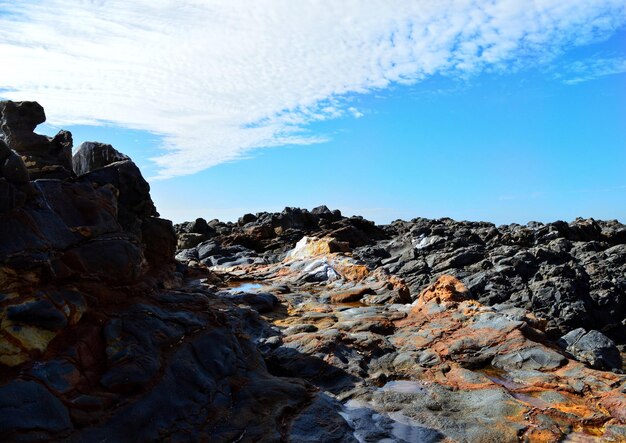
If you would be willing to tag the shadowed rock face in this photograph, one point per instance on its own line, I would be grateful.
(45, 157)
(93, 155)
(99, 338)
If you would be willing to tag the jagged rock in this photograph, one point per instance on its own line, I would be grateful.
(14, 170)
(94, 155)
(98, 349)
(43, 156)
(134, 202)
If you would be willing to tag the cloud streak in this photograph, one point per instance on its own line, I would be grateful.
(217, 79)
(584, 71)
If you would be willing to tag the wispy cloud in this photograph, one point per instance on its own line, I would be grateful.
(217, 79)
(583, 71)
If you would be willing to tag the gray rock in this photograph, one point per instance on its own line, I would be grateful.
(538, 358)
(40, 313)
(592, 347)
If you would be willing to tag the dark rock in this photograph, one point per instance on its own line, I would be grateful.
(14, 170)
(58, 375)
(5, 151)
(321, 422)
(245, 219)
(134, 202)
(29, 412)
(40, 313)
(93, 155)
(44, 157)
(10, 196)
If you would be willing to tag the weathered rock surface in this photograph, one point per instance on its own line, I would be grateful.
(570, 275)
(99, 337)
(391, 330)
(94, 155)
(45, 157)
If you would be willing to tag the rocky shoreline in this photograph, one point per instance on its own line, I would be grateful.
(295, 326)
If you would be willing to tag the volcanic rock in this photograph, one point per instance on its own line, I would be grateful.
(94, 155)
(45, 157)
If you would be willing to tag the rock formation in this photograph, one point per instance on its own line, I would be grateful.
(45, 157)
(299, 326)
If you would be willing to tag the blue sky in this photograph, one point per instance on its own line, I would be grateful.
(535, 130)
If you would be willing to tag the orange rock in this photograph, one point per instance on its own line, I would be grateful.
(351, 295)
(312, 247)
(446, 289)
(351, 271)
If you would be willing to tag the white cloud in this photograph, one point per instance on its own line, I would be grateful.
(586, 70)
(219, 78)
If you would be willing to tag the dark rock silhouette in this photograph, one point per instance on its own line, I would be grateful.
(45, 157)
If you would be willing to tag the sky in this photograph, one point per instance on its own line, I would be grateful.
(499, 110)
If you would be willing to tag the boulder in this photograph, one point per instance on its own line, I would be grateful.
(592, 347)
(44, 157)
(93, 155)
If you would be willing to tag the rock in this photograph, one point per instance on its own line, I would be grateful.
(5, 151)
(93, 155)
(41, 313)
(14, 170)
(28, 412)
(537, 358)
(134, 202)
(246, 218)
(312, 247)
(445, 289)
(43, 156)
(10, 196)
(321, 422)
(592, 347)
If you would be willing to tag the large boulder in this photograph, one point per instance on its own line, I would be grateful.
(95, 155)
(592, 347)
(45, 157)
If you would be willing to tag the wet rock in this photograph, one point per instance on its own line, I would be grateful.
(261, 302)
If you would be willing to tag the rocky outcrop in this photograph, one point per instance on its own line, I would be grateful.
(440, 366)
(45, 157)
(100, 337)
(271, 233)
(93, 155)
(441, 330)
(571, 275)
